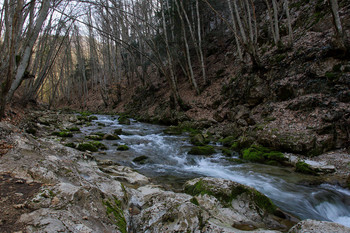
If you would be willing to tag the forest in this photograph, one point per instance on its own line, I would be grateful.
(152, 97)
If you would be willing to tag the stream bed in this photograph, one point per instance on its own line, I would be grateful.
(168, 163)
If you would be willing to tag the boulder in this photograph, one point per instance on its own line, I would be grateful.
(314, 226)
(235, 204)
(202, 150)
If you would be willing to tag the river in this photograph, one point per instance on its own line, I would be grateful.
(169, 163)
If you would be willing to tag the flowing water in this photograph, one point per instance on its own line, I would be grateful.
(169, 162)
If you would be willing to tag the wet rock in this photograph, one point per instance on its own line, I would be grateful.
(202, 150)
(320, 167)
(87, 147)
(198, 140)
(111, 137)
(118, 131)
(124, 120)
(233, 203)
(141, 159)
(314, 226)
(122, 147)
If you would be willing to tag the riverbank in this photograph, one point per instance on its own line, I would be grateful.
(60, 188)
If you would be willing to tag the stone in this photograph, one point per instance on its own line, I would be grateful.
(55, 201)
(18, 206)
(124, 120)
(111, 137)
(314, 226)
(202, 150)
(198, 140)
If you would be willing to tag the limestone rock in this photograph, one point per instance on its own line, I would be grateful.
(314, 226)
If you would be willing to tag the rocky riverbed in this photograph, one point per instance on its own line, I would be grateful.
(48, 187)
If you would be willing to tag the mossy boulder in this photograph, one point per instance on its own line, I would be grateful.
(101, 124)
(71, 144)
(118, 132)
(101, 134)
(304, 168)
(141, 159)
(124, 120)
(85, 113)
(226, 192)
(92, 118)
(227, 152)
(198, 140)
(122, 147)
(173, 130)
(94, 137)
(99, 145)
(63, 134)
(228, 141)
(260, 154)
(83, 118)
(111, 137)
(202, 150)
(74, 129)
(86, 146)
(242, 142)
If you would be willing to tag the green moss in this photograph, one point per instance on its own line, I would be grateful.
(260, 154)
(85, 113)
(118, 132)
(101, 124)
(201, 188)
(198, 140)
(194, 201)
(87, 147)
(202, 150)
(74, 129)
(253, 155)
(111, 137)
(331, 75)
(122, 147)
(226, 152)
(263, 202)
(82, 118)
(124, 120)
(71, 144)
(116, 213)
(303, 167)
(235, 146)
(63, 134)
(94, 137)
(173, 130)
(91, 118)
(99, 145)
(235, 160)
(141, 159)
(228, 141)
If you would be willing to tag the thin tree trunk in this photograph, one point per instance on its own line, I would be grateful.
(239, 50)
(200, 43)
(290, 30)
(28, 49)
(275, 13)
(188, 56)
(337, 22)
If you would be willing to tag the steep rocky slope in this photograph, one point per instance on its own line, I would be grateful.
(298, 102)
